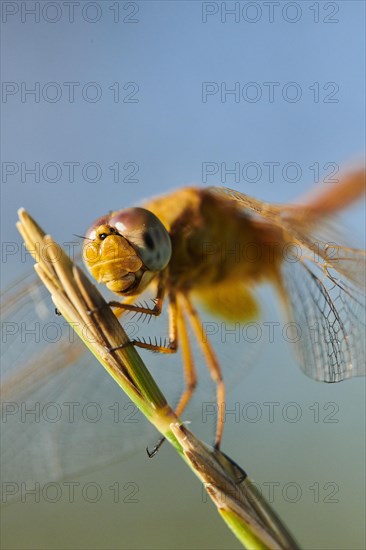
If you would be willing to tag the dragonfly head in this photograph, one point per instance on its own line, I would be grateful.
(126, 249)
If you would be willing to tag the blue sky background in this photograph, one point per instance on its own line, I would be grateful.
(165, 137)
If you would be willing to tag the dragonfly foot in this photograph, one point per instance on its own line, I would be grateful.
(152, 453)
(121, 346)
(91, 312)
(217, 445)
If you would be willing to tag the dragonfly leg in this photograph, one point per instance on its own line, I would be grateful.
(189, 368)
(170, 346)
(143, 310)
(164, 347)
(179, 326)
(212, 364)
(121, 307)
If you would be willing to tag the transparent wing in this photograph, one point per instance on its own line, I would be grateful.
(62, 414)
(330, 323)
(323, 290)
(29, 323)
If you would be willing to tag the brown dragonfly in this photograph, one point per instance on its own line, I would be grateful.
(210, 248)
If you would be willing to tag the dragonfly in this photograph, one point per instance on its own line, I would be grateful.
(207, 249)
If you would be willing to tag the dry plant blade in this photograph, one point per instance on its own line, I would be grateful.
(77, 299)
(236, 497)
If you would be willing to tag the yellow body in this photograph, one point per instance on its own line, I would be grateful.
(218, 252)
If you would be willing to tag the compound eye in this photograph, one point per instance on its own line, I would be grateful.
(149, 240)
(147, 234)
(155, 251)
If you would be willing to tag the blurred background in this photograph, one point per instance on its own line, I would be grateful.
(107, 103)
